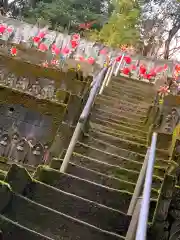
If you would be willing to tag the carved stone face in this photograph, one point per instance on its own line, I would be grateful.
(15, 137)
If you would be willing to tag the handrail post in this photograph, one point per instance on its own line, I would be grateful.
(139, 185)
(71, 146)
(111, 73)
(105, 80)
(84, 115)
(144, 212)
(119, 65)
(131, 233)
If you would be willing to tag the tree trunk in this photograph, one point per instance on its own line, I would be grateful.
(172, 33)
(166, 50)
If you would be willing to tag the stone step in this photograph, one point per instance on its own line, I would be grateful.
(128, 91)
(97, 193)
(87, 211)
(2, 174)
(131, 89)
(124, 113)
(96, 162)
(11, 230)
(50, 222)
(117, 118)
(122, 107)
(112, 198)
(125, 148)
(127, 102)
(5, 166)
(125, 81)
(116, 135)
(114, 140)
(124, 96)
(112, 165)
(98, 177)
(112, 145)
(100, 124)
(110, 101)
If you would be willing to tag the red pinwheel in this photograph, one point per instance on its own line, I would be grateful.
(164, 89)
(65, 50)
(103, 51)
(45, 64)
(118, 59)
(91, 60)
(165, 66)
(2, 29)
(42, 47)
(36, 40)
(13, 51)
(55, 50)
(148, 76)
(126, 71)
(74, 43)
(39, 37)
(9, 29)
(133, 67)
(127, 59)
(76, 37)
(41, 34)
(55, 62)
(177, 67)
(81, 58)
(142, 70)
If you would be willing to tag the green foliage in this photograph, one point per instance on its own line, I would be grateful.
(66, 13)
(122, 27)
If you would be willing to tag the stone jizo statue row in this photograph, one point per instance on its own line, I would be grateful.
(21, 150)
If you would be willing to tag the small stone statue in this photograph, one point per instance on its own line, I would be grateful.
(48, 91)
(22, 84)
(21, 151)
(10, 80)
(37, 154)
(46, 156)
(2, 76)
(35, 89)
(13, 145)
(4, 145)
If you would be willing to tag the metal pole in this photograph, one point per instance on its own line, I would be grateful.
(71, 146)
(110, 74)
(105, 80)
(131, 233)
(119, 65)
(144, 212)
(139, 185)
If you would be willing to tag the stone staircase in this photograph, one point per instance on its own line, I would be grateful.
(91, 199)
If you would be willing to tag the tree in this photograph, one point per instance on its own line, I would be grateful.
(123, 25)
(164, 19)
(69, 13)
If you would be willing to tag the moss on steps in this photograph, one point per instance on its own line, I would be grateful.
(101, 154)
(2, 175)
(122, 105)
(120, 112)
(131, 93)
(120, 135)
(110, 100)
(123, 121)
(124, 95)
(117, 128)
(113, 115)
(12, 230)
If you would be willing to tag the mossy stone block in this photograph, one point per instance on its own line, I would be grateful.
(18, 178)
(5, 195)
